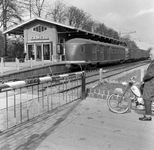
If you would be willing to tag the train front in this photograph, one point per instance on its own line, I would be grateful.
(75, 53)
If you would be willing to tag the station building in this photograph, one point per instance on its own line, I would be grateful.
(45, 40)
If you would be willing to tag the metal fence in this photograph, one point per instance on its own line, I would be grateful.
(21, 101)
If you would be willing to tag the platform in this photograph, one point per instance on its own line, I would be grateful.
(82, 125)
(10, 71)
(12, 66)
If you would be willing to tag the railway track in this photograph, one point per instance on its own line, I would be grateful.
(93, 76)
(91, 72)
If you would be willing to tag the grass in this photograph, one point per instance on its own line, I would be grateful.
(111, 84)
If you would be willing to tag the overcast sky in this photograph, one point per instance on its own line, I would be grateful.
(125, 16)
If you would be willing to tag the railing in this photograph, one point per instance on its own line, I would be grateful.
(21, 101)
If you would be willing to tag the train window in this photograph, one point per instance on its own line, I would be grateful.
(101, 49)
(98, 47)
(82, 49)
(94, 48)
(62, 40)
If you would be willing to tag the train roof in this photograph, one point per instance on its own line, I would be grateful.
(85, 41)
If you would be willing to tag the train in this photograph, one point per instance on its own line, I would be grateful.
(84, 52)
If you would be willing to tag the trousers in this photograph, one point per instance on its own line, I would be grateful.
(148, 107)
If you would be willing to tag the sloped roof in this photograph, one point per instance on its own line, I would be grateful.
(18, 29)
(72, 31)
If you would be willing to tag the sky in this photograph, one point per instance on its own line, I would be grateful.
(128, 17)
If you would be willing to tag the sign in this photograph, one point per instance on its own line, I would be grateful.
(40, 37)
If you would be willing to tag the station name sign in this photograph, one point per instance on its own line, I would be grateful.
(39, 38)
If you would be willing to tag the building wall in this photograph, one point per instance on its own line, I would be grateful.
(31, 36)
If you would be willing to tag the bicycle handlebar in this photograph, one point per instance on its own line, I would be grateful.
(133, 78)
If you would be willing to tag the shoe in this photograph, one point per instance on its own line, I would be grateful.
(145, 118)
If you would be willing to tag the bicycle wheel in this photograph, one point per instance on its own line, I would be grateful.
(118, 103)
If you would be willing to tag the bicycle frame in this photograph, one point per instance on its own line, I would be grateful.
(124, 101)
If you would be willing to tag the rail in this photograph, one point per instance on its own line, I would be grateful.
(21, 101)
(109, 73)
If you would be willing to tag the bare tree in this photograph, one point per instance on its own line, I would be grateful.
(77, 17)
(130, 44)
(1, 43)
(10, 12)
(101, 29)
(112, 33)
(37, 7)
(9, 15)
(34, 7)
(89, 25)
(57, 13)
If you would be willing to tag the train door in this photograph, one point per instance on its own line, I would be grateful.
(94, 53)
(98, 53)
(109, 53)
(105, 52)
(112, 53)
(102, 52)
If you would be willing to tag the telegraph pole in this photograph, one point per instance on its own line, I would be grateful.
(30, 8)
(4, 9)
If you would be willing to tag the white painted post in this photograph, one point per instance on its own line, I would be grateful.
(52, 59)
(142, 74)
(100, 74)
(17, 63)
(60, 58)
(31, 62)
(2, 64)
(42, 62)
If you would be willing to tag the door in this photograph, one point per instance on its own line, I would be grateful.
(38, 52)
(30, 52)
(46, 51)
(102, 53)
(94, 53)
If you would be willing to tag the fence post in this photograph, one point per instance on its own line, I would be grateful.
(42, 62)
(17, 63)
(142, 74)
(2, 64)
(100, 74)
(31, 62)
(83, 86)
(60, 58)
(52, 59)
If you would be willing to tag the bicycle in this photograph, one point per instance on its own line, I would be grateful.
(121, 101)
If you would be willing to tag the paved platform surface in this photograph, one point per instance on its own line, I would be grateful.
(96, 128)
(83, 125)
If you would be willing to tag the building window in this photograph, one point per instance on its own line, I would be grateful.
(39, 28)
(82, 49)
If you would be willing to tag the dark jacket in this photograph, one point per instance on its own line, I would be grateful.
(148, 79)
